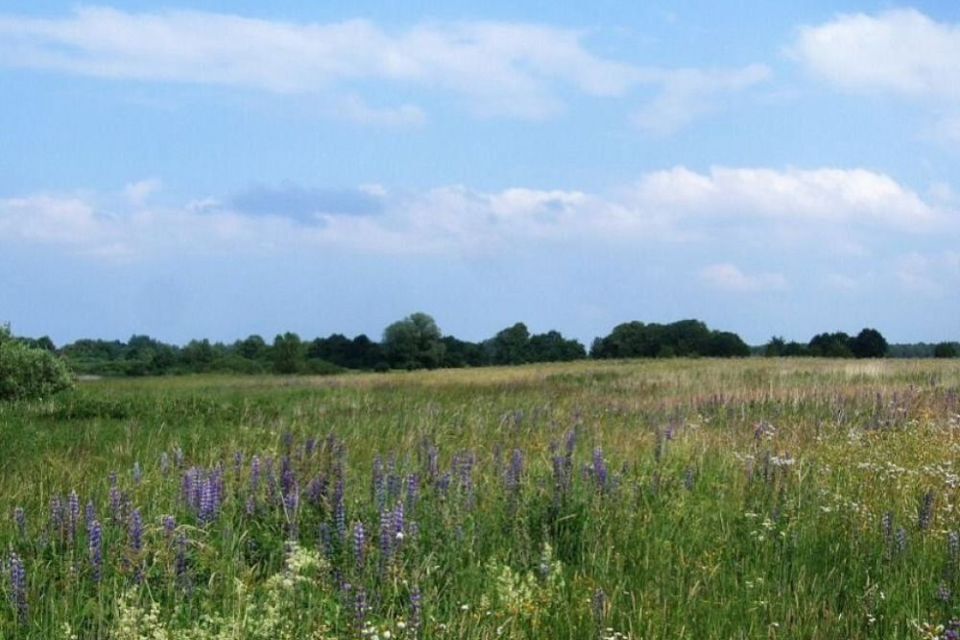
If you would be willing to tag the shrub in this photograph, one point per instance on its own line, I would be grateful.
(27, 372)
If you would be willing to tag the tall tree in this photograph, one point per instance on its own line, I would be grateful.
(414, 343)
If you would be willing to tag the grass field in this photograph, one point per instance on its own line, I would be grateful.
(668, 499)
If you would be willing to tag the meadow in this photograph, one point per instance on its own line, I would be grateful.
(630, 499)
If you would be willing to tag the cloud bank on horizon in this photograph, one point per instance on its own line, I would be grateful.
(186, 173)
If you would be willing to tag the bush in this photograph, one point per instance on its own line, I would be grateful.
(27, 372)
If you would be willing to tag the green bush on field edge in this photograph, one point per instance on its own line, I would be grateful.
(27, 373)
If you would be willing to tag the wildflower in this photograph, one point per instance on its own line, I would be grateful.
(169, 526)
(90, 514)
(136, 531)
(73, 515)
(416, 612)
(254, 474)
(599, 469)
(359, 545)
(20, 519)
(18, 587)
(137, 473)
(925, 511)
(96, 550)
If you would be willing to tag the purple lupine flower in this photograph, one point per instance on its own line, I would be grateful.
(359, 546)
(886, 525)
(137, 473)
(136, 531)
(113, 478)
(379, 485)
(413, 491)
(180, 562)
(340, 509)
(73, 514)
(399, 528)
(393, 480)
(953, 546)
(169, 526)
(599, 469)
(570, 444)
(388, 534)
(317, 490)
(116, 503)
(309, 447)
(689, 478)
(360, 606)
(208, 500)
(287, 476)
(90, 514)
(251, 506)
(944, 594)
(96, 550)
(18, 587)
(514, 471)
(416, 613)
(463, 464)
(291, 507)
(56, 515)
(925, 511)
(901, 540)
(237, 463)
(287, 441)
(433, 463)
(254, 474)
(20, 519)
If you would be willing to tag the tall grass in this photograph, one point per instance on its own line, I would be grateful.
(683, 499)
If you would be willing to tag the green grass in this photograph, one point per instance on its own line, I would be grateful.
(742, 500)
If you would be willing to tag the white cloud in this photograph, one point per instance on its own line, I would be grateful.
(138, 192)
(500, 69)
(690, 94)
(826, 209)
(355, 109)
(901, 51)
(930, 274)
(817, 195)
(728, 277)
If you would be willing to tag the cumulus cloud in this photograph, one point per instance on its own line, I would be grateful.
(672, 206)
(499, 68)
(901, 51)
(728, 277)
(930, 274)
(690, 94)
(805, 195)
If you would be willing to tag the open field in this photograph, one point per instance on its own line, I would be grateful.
(661, 499)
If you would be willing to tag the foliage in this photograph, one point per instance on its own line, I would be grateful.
(414, 343)
(946, 350)
(678, 339)
(29, 372)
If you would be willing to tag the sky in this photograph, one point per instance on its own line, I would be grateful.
(223, 169)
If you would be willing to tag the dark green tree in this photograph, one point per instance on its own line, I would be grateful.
(830, 345)
(946, 350)
(413, 343)
(288, 353)
(509, 346)
(869, 343)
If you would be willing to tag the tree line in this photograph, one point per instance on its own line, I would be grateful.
(416, 342)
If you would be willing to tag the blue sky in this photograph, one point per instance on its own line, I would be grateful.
(231, 168)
